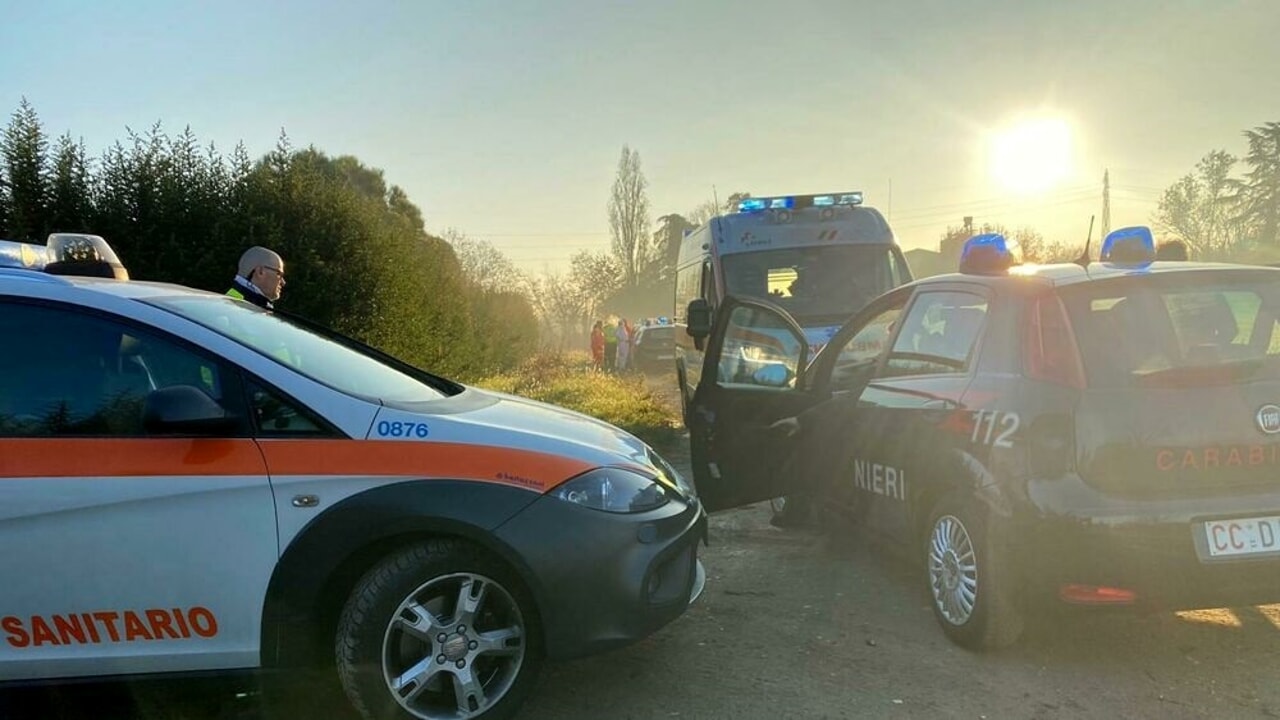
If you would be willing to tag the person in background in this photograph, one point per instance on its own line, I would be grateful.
(597, 345)
(610, 346)
(633, 334)
(259, 278)
(1172, 250)
(623, 332)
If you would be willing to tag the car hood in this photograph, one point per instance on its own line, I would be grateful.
(484, 417)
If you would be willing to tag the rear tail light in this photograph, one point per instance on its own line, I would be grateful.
(1097, 595)
(1049, 350)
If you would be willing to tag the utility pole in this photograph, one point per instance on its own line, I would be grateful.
(1106, 202)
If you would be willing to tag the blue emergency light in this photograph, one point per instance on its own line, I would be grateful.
(791, 202)
(65, 254)
(775, 203)
(23, 255)
(1129, 245)
(852, 198)
(986, 254)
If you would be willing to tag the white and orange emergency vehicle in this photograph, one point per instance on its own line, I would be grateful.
(191, 483)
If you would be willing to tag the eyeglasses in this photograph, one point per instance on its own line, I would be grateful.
(279, 273)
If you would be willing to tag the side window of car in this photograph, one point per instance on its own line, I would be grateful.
(80, 374)
(938, 335)
(860, 353)
(758, 349)
(274, 416)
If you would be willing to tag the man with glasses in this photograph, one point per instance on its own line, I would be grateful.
(260, 277)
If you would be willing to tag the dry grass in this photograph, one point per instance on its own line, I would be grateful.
(570, 381)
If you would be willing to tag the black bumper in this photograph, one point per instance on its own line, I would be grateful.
(1154, 548)
(604, 580)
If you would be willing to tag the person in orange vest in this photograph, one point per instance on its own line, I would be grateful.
(597, 345)
(259, 278)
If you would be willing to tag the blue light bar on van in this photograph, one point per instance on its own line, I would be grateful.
(791, 202)
(23, 255)
(852, 198)
(986, 254)
(1129, 245)
(774, 203)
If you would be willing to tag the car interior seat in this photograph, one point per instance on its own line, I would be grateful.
(1209, 332)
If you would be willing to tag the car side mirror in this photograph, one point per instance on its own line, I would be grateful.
(184, 410)
(699, 314)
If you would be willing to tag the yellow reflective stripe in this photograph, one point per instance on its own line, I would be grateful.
(235, 294)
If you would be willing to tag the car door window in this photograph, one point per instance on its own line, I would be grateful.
(81, 374)
(860, 353)
(276, 416)
(758, 349)
(938, 335)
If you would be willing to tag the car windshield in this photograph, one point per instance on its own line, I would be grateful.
(1186, 328)
(341, 367)
(813, 284)
(657, 335)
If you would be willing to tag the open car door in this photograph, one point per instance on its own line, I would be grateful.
(751, 378)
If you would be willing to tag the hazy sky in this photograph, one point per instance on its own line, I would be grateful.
(505, 120)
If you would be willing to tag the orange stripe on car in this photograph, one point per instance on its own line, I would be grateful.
(510, 466)
(145, 457)
(121, 457)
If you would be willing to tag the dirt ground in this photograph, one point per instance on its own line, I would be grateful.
(793, 625)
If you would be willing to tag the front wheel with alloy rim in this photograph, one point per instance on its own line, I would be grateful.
(969, 579)
(438, 630)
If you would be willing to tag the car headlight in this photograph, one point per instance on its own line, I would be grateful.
(671, 475)
(613, 490)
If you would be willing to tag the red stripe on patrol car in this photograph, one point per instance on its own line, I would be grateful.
(120, 457)
(102, 457)
(509, 466)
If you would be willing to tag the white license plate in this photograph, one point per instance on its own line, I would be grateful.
(1243, 536)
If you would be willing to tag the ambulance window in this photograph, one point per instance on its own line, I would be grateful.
(897, 271)
(85, 375)
(274, 416)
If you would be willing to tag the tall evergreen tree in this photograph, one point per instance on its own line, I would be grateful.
(70, 201)
(1259, 192)
(24, 151)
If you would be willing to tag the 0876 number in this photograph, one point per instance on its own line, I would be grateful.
(397, 429)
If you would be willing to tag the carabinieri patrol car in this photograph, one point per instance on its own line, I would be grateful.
(1099, 433)
(190, 483)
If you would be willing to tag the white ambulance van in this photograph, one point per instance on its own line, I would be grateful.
(819, 257)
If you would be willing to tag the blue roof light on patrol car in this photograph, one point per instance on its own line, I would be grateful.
(1130, 245)
(22, 255)
(65, 254)
(986, 254)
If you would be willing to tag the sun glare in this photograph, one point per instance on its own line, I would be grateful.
(1031, 156)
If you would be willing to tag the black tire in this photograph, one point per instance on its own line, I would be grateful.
(961, 550)
(406, 618)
